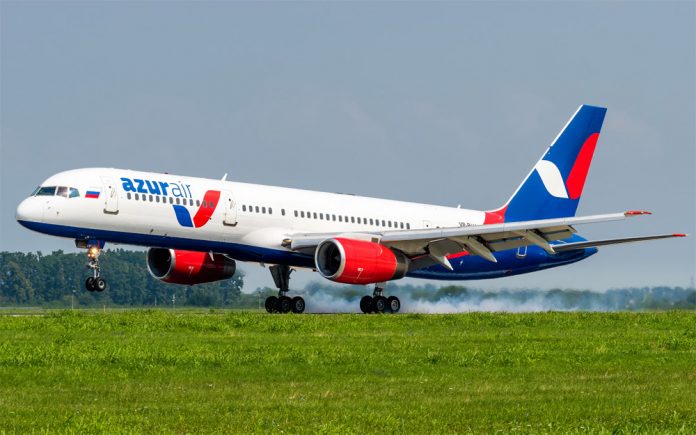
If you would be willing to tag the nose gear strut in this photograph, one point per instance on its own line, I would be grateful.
(94, 282)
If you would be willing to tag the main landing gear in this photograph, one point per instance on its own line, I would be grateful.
(378, 303)
(283, 303)
(94, 282)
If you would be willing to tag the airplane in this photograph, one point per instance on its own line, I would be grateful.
(196, 229)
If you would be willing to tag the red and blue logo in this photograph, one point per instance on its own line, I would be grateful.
(204, 213)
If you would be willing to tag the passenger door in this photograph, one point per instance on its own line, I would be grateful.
(230, 217)
(110, 195)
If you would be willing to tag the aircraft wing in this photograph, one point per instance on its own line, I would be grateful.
(432, 245)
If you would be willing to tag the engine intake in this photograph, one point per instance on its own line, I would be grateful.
(188, 267)
(352, 261)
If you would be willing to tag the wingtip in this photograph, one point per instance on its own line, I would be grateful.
(636, 212)
(680, 235)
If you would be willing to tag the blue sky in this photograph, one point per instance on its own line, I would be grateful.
(445, 103)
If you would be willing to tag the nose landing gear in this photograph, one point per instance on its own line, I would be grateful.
(283, 303)
(378, 303)
(94, 282)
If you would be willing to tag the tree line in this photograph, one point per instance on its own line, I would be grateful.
(35, 279)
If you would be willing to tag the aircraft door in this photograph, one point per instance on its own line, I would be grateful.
(110, 195)
(230, 218)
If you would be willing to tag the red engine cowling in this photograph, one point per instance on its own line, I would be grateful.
(188, 267)
(359, 262)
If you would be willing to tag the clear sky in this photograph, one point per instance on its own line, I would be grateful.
(444, 103)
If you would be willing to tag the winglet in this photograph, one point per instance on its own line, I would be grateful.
(636, 213)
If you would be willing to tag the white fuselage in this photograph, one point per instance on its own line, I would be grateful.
(141, 206)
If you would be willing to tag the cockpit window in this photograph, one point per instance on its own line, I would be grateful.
(46, 191)
(62, 191)
(74, 193)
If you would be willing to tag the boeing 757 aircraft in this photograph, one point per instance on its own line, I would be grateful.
(196, 229)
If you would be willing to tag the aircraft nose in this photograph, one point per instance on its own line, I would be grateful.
(29, 210)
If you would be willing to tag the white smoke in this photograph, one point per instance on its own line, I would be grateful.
(333, 300)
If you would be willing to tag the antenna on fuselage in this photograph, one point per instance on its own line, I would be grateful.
(224, 177)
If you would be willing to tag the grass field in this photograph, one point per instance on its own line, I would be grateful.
(157, 371)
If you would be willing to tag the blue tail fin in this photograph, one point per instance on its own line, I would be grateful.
(554, 186)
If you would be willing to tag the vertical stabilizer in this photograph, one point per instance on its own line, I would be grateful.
(554, 186)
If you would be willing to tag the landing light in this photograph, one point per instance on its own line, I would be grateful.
(93, 252)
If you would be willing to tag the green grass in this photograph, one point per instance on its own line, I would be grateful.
(157, 371)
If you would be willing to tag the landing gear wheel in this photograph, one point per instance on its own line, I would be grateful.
(99, 284)
(298, 305)
(89, 284)
(284, 304)
(380, 304)
(272, 304)
(366, 304)
(394, 304)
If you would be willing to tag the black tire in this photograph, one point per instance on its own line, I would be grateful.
(380, 304)
(272, 304)
(89, 284)
(284, 304)
(298, 305)
(366, 304)
(394, 304)
(100, 284)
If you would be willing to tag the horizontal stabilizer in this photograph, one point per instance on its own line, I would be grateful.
(592, 244)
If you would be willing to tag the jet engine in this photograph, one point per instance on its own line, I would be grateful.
(188, 267)
(352, 261)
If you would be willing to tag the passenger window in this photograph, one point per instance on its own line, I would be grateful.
(340, 218)
(359, 221)
(128, 195)
(402, 225)
(257, 209)
(243, 207)
(352, 219)
(321, 216)
(156, 198)
(198, 203)
(295, 213)
(211, 204)
(302, 213)
(177, 201)
(46, 191)
(384, 224)
(191, 202)
(270, 210)
(137, 197)
(333, 217)
(171, 200)
(315, 215)
(282, 211)
(151, 198)
(408, 226)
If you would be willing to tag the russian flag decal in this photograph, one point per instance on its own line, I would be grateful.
(92, 194)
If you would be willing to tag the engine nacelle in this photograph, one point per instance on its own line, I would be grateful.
(358, 261)
(188, 267)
